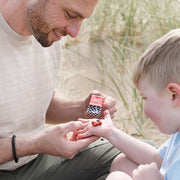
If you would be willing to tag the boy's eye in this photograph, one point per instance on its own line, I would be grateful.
(70, 16)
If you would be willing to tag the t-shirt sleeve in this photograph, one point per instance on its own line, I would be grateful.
(174, 172)
(162, 149)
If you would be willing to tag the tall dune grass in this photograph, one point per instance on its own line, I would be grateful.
(125, 28)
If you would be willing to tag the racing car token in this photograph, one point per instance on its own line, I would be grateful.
(96, 123)
(95, 105)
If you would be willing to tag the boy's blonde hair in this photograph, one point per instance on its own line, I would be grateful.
(160, 63)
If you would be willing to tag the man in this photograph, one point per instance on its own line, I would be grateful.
(28, 73)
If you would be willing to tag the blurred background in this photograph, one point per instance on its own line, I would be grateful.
(105, 52)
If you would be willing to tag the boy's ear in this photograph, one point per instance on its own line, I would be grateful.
(174, 92)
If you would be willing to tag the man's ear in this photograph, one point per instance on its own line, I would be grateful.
(174, 92)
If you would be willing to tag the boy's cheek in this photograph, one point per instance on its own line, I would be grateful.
(146, 110)
(151, 112)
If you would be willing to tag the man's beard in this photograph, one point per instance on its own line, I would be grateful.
(41, 37)
(38, 27)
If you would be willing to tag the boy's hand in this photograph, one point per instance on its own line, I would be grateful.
(101, 130)
(148, 172)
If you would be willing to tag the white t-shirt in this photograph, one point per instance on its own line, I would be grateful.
(28, 75)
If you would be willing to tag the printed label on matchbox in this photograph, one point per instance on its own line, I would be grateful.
(95, 105)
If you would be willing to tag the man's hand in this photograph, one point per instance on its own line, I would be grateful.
(54, 140)
(147, 172)
(108, 104)
(63, 110)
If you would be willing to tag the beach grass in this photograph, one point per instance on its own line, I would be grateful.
(116, 35)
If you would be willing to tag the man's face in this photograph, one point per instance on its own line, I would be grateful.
(49, 20)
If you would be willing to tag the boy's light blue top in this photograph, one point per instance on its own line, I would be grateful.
(170, 152)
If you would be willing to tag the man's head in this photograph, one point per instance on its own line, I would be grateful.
(160, 63)
(49, 20)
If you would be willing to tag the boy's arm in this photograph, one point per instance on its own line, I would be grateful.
(136, 150)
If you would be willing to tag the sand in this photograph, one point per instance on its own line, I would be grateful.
(77, 66)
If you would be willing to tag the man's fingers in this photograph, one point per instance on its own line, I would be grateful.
(83, 120)
(82, 143)
(83, 135)
(95, 92)
(72, 126)
(107, 114)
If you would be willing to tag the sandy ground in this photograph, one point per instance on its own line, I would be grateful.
(76, 66)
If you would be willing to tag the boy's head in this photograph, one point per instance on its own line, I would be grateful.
(160, 63)
(157, 76)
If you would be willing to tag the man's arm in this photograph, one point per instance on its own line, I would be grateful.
(49, 141)
(63, 110)
(24, 146)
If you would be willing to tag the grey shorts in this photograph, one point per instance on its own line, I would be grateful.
(91, 163)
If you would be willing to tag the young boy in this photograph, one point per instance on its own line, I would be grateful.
(157, 77)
